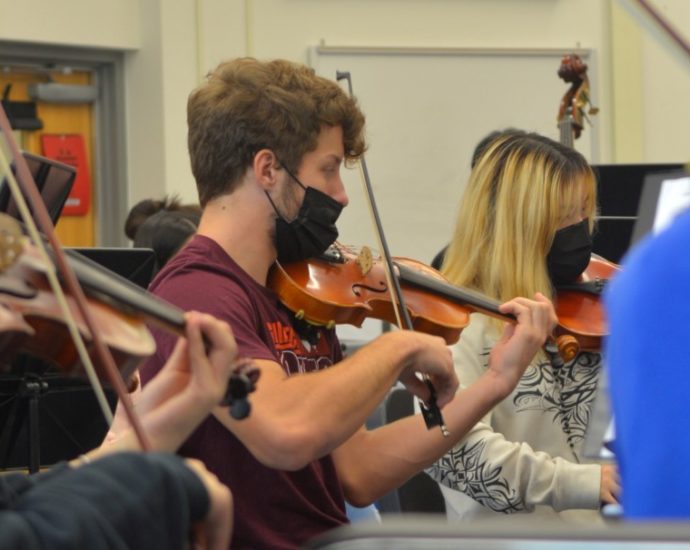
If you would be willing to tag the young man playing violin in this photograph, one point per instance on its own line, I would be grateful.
(267, 141)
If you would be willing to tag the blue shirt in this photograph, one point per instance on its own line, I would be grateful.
(648, 356)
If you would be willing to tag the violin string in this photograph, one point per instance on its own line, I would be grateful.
(103, 353)
(56, 288)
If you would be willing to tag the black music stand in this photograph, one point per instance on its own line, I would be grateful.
(54, 181)
(45, 416)
(39, 411)
(23, 393)
(619, 190)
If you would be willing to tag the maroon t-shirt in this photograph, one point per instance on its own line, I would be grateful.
(273, 509)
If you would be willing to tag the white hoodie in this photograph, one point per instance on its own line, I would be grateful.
(525, 456)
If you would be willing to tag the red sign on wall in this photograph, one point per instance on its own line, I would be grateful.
(69, 148)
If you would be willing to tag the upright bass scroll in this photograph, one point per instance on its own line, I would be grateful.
(571, 111)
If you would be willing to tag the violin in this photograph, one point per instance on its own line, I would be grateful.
(121, 311)
(579, 306)
(25, 291)
(347, 286)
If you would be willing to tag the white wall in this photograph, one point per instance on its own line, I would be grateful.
(665, 79)
(650, 84)
(282, 28)
(172, 43)
(181, 41)
(90, 23)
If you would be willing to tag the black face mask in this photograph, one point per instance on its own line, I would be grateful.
(312, 231)
(570, 253)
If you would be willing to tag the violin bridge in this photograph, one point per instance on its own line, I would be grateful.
(365, 260)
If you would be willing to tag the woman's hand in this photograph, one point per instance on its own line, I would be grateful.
(610, 484)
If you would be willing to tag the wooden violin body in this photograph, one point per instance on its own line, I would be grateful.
(347, 287)
(344, 286)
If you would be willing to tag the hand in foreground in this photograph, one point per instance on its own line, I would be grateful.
(610, 484)
(194, 369)
(519, 343)
(434, 359)
(211, 366)
(191, 383)
(215, 531)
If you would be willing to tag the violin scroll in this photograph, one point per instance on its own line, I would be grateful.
(568, 347)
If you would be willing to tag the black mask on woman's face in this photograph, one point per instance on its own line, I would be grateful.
(312, 231)
(570, 253)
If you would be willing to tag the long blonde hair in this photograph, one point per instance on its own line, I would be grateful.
(519, 191)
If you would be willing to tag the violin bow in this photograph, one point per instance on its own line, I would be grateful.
(30, 190)
(430, 411)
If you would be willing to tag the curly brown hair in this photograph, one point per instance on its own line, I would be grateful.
(247, 105)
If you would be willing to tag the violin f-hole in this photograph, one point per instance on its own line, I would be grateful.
(357, 287)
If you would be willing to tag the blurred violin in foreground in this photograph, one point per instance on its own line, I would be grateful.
(34, 323)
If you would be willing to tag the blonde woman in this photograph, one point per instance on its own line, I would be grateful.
(524, 226)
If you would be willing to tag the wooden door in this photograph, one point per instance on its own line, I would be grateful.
(60, 119)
